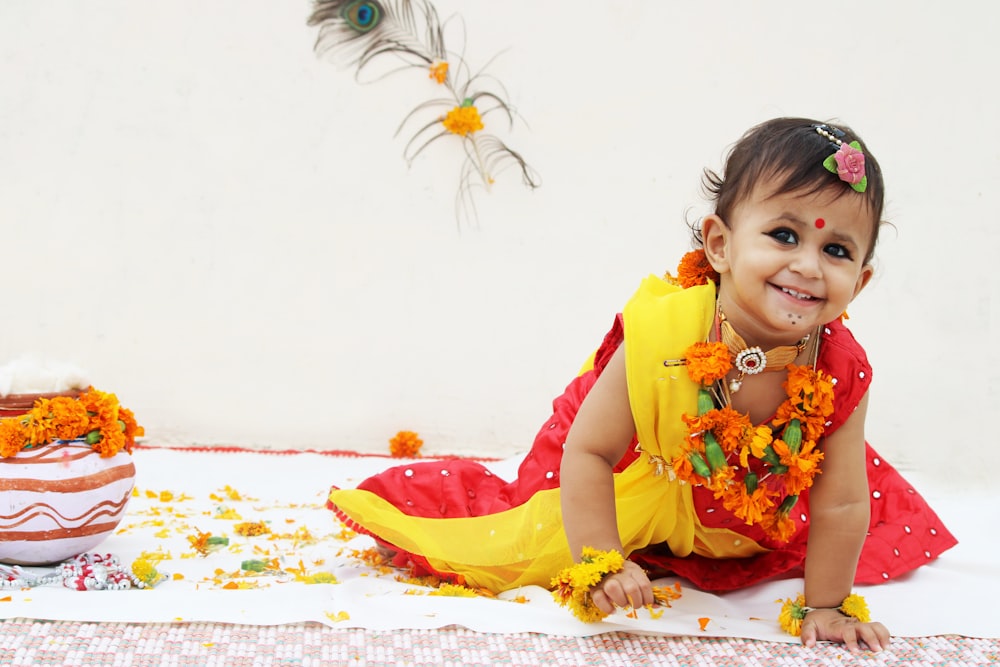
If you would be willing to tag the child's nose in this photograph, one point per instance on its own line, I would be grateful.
(805, 263)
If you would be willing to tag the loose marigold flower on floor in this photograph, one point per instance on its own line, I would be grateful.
(454, 591)
(405, 444)
(251, 528)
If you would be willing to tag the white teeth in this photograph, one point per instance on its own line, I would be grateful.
(797, 295)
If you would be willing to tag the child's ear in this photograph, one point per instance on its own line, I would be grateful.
(715, 240)
(867, 271)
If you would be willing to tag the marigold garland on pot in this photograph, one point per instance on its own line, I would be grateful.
(94, 416)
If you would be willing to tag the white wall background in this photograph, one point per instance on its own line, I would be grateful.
(221, 229)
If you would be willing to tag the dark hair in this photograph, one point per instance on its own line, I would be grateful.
(791, 151)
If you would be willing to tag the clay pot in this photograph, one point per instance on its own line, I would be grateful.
(14, 405)
(60, 500)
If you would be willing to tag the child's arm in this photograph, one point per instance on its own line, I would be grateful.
(839, 514)
(600, 434)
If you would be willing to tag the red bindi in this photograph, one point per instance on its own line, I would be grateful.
(820, 223)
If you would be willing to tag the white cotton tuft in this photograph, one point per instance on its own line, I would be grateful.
(28, 375)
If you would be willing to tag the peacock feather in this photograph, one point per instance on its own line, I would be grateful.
(362, 34)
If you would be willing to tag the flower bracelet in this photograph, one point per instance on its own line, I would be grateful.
(793, 612)
(572, 586)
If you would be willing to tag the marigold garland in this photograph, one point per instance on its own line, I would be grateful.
(94, 416)
(794, 610)
(757, 472)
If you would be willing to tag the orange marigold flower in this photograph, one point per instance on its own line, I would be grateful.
(439, 71)
(102, 407)
(750, 507)
(778, 526)
(802, 467)
(755, 445)
(707, 362)
(69, 417)
(683, 469)
(132, 429)
(463, 119)
(721, 481)
(810, 390)
(405, 444)
(729, 426)
(12, 437)
(109, 440)
(695, 269)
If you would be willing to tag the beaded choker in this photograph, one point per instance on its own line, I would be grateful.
(752, 360)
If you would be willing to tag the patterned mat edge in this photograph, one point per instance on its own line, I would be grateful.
(31, 642)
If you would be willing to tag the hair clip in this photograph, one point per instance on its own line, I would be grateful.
(848, 162)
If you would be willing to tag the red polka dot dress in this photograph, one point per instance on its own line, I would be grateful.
(455, 500)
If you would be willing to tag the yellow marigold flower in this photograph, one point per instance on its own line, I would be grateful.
(463, 119)
(251, 528)
(572, 585)
(405, 444)
(454, 590)
(856, 606)
(146, 572)
(439, 71)
(707, 362)
(791, 615)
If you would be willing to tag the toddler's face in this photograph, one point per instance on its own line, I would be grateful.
(794, 261)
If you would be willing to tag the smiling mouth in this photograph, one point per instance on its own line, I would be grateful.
(800, 296)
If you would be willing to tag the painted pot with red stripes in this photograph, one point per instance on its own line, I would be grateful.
(60, 500)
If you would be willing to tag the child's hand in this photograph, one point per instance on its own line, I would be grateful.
(629, 588)
(831, 625)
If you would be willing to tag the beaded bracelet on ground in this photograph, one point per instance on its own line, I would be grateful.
(86, 572)
(793, 612)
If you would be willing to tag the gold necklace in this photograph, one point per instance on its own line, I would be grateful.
(753, 360)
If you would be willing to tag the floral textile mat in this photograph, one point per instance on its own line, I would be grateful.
(243, 537)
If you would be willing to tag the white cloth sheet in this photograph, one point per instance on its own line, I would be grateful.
(951, 596)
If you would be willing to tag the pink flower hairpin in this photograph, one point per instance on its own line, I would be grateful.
(848, 162)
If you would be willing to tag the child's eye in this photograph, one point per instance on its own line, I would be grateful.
(786, 236)
(837, 250)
